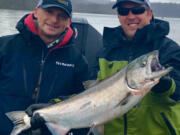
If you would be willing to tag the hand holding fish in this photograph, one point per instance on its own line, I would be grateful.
(102, 102)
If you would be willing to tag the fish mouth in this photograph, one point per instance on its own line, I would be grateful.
(157, 70)
(155, 65)
(145, 71)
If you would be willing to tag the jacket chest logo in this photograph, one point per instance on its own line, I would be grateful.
(58, 63)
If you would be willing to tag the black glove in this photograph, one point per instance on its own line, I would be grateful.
(164, 85)
(35, 107)
(36, 121)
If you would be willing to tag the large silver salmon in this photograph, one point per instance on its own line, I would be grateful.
(102, 102)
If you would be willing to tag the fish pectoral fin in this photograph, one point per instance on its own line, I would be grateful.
(56, 129)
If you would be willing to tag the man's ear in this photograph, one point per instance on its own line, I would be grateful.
(69, 22)
(150, 13)
(35, 12)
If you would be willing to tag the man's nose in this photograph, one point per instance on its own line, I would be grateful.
(54, 18)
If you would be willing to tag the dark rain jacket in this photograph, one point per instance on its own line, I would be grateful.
(158, 113)
(30, 72)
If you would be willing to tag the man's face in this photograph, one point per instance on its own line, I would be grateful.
(131, 22)
(51, 22)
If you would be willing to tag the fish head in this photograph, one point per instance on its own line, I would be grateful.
(145, 71)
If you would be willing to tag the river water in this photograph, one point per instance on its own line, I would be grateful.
(9, 18)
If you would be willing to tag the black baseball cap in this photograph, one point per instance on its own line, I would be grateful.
(65, 5)
(143, 2)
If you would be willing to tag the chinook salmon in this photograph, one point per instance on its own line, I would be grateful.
(100, 103)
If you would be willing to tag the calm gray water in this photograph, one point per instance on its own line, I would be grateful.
(9, 18)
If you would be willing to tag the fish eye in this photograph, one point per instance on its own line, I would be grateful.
(143, 64)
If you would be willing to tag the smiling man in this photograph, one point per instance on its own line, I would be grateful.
(133, 16)
(53, 18)
(138, 34)
(40, 63)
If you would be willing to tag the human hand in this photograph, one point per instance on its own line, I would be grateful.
(164, 85)
(36, 120)
(35, 107)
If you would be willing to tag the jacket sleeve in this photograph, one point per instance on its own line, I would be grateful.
(3, 43)
(170, 56)
(93, 72)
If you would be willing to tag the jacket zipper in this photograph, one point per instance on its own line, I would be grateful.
(25, 79)
(125, 124)
(35, 95)
(171, 129)
(37, 89)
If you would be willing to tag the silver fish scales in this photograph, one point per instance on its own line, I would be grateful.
(100, 103)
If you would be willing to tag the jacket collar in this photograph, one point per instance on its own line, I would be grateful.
(27, 27)
(114, 37)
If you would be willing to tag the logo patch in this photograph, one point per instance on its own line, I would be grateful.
(63, 2)
(64, 64)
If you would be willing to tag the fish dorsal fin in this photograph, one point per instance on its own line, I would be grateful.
(55, 129)
(90, 83)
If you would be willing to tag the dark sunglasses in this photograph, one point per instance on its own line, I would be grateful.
(134, 10)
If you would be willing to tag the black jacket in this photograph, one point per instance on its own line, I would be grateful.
(27, 65)
(151, 37)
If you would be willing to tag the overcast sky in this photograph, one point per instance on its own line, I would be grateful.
(166, 1)
(161, 1)
(154, 1)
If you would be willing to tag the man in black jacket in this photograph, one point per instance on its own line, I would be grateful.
(40, 63)
(140, 33)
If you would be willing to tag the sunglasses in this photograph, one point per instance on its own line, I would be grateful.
(134, 10)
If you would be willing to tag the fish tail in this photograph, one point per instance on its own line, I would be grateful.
(20, 120)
